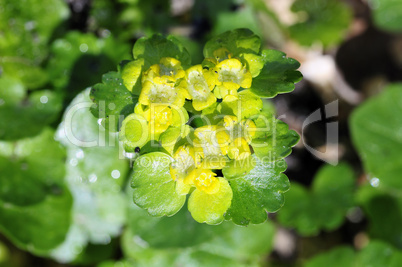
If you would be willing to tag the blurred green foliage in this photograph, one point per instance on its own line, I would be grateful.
(72, 204)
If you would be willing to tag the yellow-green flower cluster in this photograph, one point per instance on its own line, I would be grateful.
(166, 89)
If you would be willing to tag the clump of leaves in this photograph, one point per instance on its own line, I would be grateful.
(201, 131)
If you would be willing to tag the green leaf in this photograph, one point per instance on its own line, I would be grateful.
(154, 188)
(387, 14)
(375, 254)
(238, 168)
(25, 36)
(325, 206)
(383, 224)
(113, 102)
(238, 41)
(210, 208)
(40, 227)
(35, 167)
(181, 241)
(340, 256)
(12, 91)
(156, 47)
(131, 75)
(35, 204)
(325, 21)
(22, 115)
(242, 18)
(379, 254)
(99, 209)
(258, 192)
(246, 106)
(278, 75)
(273, 139)
(79, 60)
(376, 134)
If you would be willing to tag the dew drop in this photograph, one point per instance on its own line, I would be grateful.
(115, 174)
(375, 182)
(83, 48)
(73, 162)
(92, 178)
(44, 99)
(80, 154)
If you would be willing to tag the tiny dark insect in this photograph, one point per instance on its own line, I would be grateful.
(137, 150)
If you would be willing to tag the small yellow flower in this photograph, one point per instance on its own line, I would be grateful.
(199, 83)
(211, 146)
(239, 149)
(182, 168)
(245, 128)
(205, 180)
(168, 70)
(159, 118)
(164, 93)
(231, 76)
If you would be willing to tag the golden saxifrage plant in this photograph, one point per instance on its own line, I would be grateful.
(202, 130)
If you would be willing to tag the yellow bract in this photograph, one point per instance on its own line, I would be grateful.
(239, 149)
(159, 118)
(211, 146)
(162, 92)
(160, 84)
(231, 76)
(205, 180)
(183, 170)
(199, 84)
(168, 70)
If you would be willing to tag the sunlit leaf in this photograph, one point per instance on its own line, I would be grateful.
(113, 102)
(377, 135)
(278, 75)
(154, 188)
(258, 192)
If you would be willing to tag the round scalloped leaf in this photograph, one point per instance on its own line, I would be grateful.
(387, 14)
(273, 139)
(40, 227)
(258, 192)
(384, 225)
(325, 206)
(154, 188)
(375, 254)
(238, 168)
(156, 47)
(324, 20)
(278, 75)
(237, 42)
(377, 135)
(195, 244)
(34, 170)
(379, 254)
(35, 204)
(210, 208)
(30, 113)
(247, 105)
(131, 75)
(113, 102)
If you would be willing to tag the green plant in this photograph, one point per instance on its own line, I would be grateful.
(189, 123)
